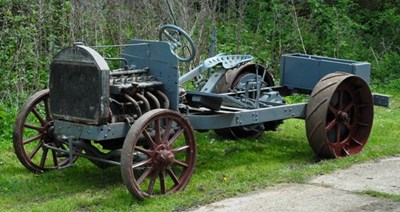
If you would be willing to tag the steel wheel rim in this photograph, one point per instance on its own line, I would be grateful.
(155, 167)
(339, 115)
(34, 128)
(349, 117)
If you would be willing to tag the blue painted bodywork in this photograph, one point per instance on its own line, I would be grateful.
(301, 71)
(160, 61)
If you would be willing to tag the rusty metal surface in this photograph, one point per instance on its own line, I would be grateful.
(339, 115)
(159, 154)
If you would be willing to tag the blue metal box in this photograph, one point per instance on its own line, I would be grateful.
(301, 71)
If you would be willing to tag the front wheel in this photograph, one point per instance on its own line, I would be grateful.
(33, 132)
(339, 115)
(159, 154)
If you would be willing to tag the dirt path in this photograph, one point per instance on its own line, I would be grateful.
(338, 191)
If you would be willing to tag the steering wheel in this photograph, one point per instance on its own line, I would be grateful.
(181, 43)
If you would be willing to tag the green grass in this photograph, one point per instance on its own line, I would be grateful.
(224, 168)
(394, 197)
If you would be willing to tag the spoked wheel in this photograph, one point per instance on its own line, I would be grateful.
(339, 115)
(249, 131)
(33, 130)
(159, 154)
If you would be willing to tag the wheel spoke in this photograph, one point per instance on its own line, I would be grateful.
(168, 128)
(347, 124)
(345, 151)
(180, 163)
(180, 149)
(331, 125)
(33, 127)
(145, 151)
(144, 175)
(33, 138)
(55, 161)
(363, 124)
(148, 138)
(162, 182)
(158, 131)
(39, 117)
(175, 137)
(348, 107)
(333, 109)
(337, 150)
(35, 150)
(44, 157)
(172, 175)
(153, 179)
(141, 163)
(357, 142)
(346, 140)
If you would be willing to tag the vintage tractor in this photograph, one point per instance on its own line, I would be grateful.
(141, 117)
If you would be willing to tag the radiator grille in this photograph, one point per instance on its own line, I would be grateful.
(79, 92)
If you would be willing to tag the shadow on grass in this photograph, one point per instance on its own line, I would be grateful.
(23, 185)
(271, 148)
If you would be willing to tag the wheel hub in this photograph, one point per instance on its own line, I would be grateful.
(48, 133)
(164, 155)
(343, 116)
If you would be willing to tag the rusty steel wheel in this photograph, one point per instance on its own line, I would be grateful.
(339, 115)
(32, 130)
(159, 154)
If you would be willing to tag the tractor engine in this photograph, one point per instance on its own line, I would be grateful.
(85, 92)
(133, 92)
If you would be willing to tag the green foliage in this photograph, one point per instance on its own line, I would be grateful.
(342, 28)
(33, 33)
(296, 98)
(7, 118)
(382, 38)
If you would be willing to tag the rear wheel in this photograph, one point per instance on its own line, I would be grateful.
(247, 74)
(159, 154)
(339, 115)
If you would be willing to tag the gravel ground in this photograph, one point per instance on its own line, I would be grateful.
(338, 191)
